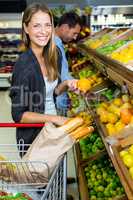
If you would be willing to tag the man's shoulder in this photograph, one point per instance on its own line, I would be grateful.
(58, 41)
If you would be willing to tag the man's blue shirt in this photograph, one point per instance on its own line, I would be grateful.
(62, 100)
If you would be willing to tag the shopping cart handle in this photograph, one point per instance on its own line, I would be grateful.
(21, 125)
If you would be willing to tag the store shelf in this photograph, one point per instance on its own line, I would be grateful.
(116, 150)
(82, 161)
(120, 75)
(84, 195)
(5, 80)
(103, 134)
(103, 63)
(109, 149)
(83, 188)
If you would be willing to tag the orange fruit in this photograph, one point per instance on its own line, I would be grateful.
(131, 122)
(84, 85)
(126, 115)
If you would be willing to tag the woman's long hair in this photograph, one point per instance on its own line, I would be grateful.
(49, 51)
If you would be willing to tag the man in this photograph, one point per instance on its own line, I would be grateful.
(67, 30)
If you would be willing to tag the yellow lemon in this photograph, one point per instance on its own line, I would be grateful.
(126, 105)
(117, 102)
(125, 98)
(128, 160)
(123, 153)
(131, 172)
(111, 129)
(114, 109)
(119, 126)
(101, 110)
(104, 105)
(104, 117)
(130, 150)
(112, 118)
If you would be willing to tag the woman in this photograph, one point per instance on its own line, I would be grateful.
(35, 77)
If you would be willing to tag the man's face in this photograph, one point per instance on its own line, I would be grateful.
(70, 34)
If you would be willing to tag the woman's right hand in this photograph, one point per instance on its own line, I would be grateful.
(59, 120)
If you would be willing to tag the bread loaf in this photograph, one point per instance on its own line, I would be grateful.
(81, 132)
(71, 124)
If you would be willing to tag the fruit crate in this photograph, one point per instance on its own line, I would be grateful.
(82, 161)
(113, 133)
(105, 133)
(126, 35)
(128, 64)
(97, 34)
(90, 148)
(117, 149)
(83, 185)
(102, 40)
(84, 63)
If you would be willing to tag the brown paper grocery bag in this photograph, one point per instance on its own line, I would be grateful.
(49, 147)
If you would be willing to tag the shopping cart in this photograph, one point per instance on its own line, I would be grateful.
(15, 176)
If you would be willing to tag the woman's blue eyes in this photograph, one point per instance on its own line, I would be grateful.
(41, 26)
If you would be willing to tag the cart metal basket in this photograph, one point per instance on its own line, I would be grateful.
(15, 175)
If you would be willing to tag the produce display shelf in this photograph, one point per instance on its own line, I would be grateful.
(98, 33)
(116, 150)
(103, 133)
(81, 161)
(106, 62)
(84, 194)
(84, 191)
(114, 160)
(121, 76)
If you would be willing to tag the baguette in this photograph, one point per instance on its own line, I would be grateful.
(71, 124)
(82, 132)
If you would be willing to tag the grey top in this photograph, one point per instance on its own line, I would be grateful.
(49, 101)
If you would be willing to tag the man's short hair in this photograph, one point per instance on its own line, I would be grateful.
(70, 18)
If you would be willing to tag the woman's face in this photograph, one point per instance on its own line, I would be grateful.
(39, 29)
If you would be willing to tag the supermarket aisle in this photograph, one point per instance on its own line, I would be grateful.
(7, 136)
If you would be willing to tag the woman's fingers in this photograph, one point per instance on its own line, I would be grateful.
(72, 84)
(59, 120)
